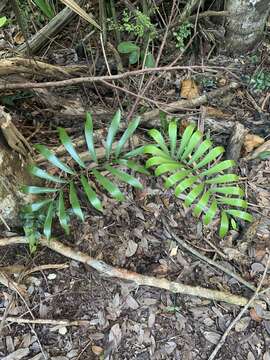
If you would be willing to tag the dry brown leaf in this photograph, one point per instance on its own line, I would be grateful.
(97, 350)
(19, 38)
(189, 89)
(260, 149)
(251, 142)
(254, 316)
(216, 113)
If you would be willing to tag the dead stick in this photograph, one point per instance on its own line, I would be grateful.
(238, 317)
(206, 259)
(180, 104)
(91, 79)
(46, 321)
(140, 280)
(235, 143)
(48, 31)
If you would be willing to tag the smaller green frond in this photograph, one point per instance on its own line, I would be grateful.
(223, 165)
(114, 127)
(227, 178)
(135, 152)
(185, 139)
(233, 202)
(50, 156)
(74, 201)
(193, 142)
(131, 180)
(37, 190)
(193, 194)
(228, 190)
(62, 214)
(157, 160)
(210, 213)
(172, 131)
(132, 126)
(133, 166)
(224, 224)
(201, 204)
(240, 214)
(233, 224)
(66, 141)
(178, 176)
(45, 7)
(167, 167)
(36, 171)
(202, 148)
(47, 230)
(211, 156)
(91, 194)
(38, 205)
(88, 133)
(154, 150)
(112, 189)
(159, 139)
(185, 184)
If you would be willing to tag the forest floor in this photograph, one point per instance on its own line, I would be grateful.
(118, 319)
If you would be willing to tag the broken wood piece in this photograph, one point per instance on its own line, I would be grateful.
(45, 321)
(152, 117)
(20, 65)
(236, 141)
(12, 285)
(138, 279)
(13, 137)
(48, 31)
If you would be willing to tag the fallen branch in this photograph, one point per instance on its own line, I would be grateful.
(152, 117)
(92, 79)
(235, 142)
(48, 31)
(46, 321)
(140, 280)
(238, 317)
(20, 65)
(206, 259)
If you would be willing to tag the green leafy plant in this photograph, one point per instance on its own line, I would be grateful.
(82, 178)
(193, 168)
(3, 21)
(136, 24)
(135, 53)
(260, 81)
(45, 7)
(183, 32)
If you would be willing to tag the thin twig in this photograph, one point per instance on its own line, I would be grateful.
(91, 79)
(241, 313)
(18, 320)
(206, 259)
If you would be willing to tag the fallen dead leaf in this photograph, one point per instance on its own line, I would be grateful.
(19, 38)
(189, 89)
(254, 316)
(260, 149)
(131, 248)
(216, 113)
(97, 350)
(251, 142)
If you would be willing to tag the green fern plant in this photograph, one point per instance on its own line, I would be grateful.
(193, 167)
(83, 177)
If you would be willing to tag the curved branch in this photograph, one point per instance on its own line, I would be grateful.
(140, 280)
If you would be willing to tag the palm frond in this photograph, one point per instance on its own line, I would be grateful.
(197, 172)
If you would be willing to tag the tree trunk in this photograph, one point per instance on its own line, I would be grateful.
(246, 25)
(13, 172)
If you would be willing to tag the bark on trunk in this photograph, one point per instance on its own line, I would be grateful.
(13, 172)
(245, 27)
